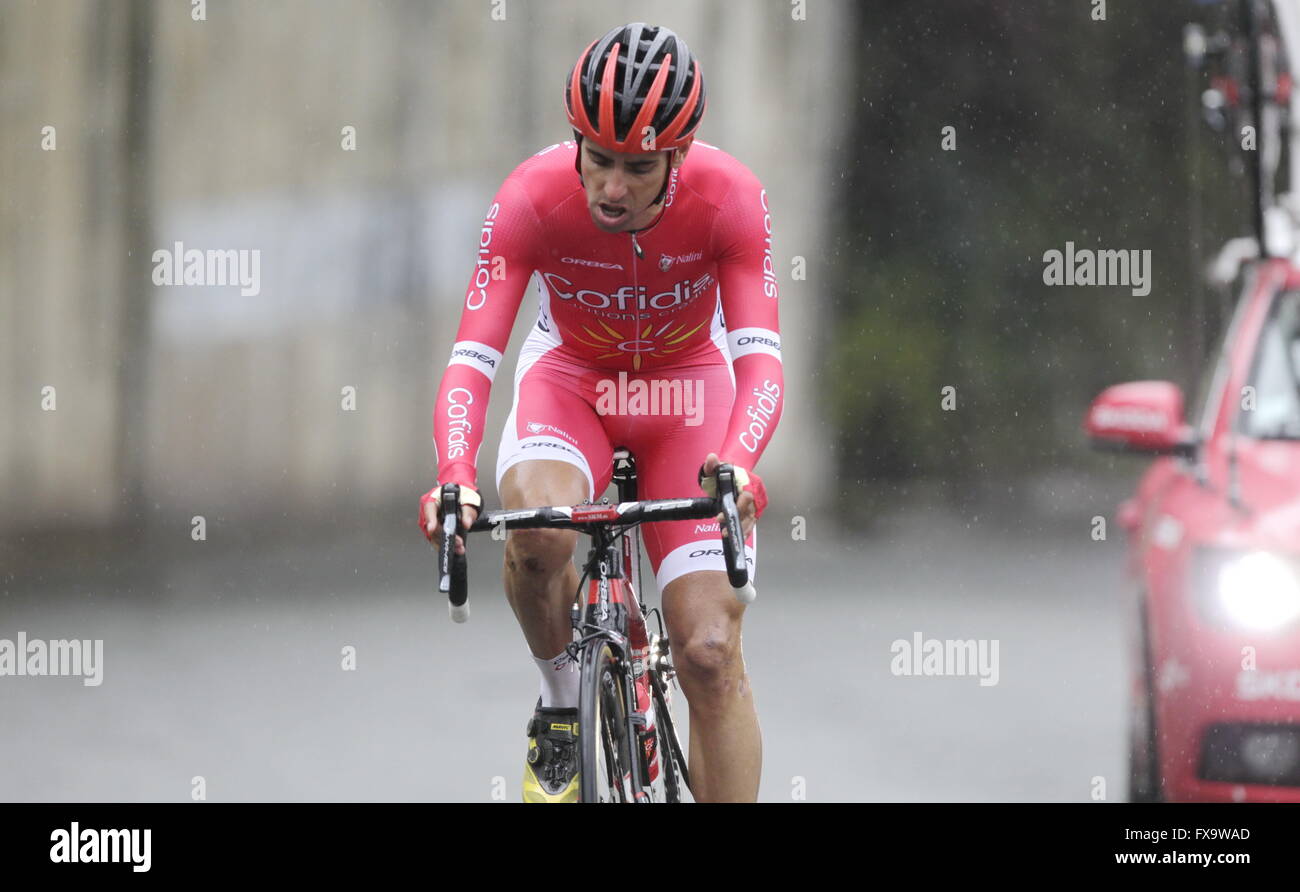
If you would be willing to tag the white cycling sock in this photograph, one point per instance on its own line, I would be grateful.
(559, 681)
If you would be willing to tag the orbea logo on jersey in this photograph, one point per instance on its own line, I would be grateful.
(716, 552)
(471, 353)
(761, 413)
(754, 340)
(596, 263)
(477, 295)
(623, 298)
(458, 402)
(547, 444)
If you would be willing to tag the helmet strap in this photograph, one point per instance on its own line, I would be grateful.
(668, 175)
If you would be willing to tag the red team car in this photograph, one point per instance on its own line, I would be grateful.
(1214, 547)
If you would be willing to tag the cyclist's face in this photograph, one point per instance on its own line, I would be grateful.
(620, 186)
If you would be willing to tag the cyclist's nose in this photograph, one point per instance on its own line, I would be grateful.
(615, 187)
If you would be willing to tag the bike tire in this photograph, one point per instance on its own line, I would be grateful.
(604, 744)
(672, 764)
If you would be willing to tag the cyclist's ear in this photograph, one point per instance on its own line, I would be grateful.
(679, 154)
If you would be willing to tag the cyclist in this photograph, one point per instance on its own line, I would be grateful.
(656, 330)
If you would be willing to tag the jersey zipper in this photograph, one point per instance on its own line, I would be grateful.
(636, 300)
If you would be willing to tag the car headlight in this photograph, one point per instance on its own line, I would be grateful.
(1255, 590)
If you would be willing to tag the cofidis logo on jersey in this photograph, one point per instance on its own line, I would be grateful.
(769, 271)
(761, 411)
(486, 268)
(459, 399)
(628, 297)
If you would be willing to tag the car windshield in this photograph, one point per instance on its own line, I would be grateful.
(1276, 376)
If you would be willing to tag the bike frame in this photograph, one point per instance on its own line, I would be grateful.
(603, 622)
(613, 569)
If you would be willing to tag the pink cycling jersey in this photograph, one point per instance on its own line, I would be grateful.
(704, 292)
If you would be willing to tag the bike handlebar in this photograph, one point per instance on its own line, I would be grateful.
(454, 569)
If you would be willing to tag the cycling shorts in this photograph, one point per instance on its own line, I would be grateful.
(669, 418)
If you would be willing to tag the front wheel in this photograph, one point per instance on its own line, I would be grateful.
(605, 771)
(672, 762)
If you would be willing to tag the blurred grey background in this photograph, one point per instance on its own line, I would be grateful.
(227, 133)
(923, 271)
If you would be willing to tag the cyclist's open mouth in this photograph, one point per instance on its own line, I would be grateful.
(610, 214)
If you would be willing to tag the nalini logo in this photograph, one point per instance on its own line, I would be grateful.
(536, 427)
(667, 260)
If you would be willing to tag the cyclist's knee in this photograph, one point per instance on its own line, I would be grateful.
(708, 662)
(539, 554)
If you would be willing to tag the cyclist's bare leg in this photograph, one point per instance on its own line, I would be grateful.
(726, 749)
(540, 577)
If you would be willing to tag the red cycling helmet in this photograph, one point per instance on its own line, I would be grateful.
(637, 76)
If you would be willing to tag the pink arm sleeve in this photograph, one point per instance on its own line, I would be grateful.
(743, 243)
(502, 268)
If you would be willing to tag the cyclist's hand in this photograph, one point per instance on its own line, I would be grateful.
(749, 504)
(430, 505)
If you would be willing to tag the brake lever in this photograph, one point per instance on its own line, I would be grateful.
(733, 544)
(453, 569)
